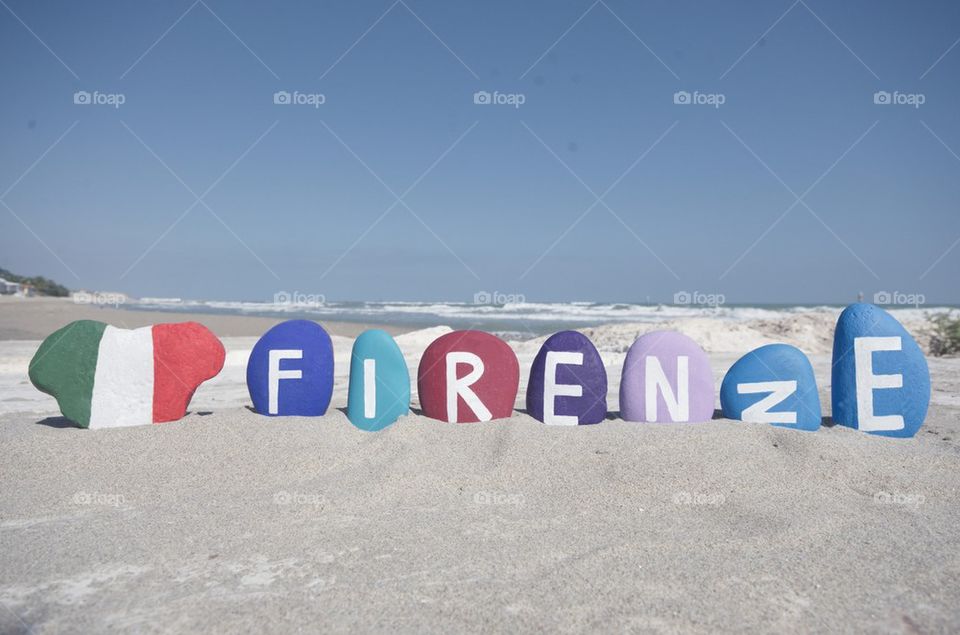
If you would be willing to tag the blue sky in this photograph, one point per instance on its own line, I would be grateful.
(797, 188)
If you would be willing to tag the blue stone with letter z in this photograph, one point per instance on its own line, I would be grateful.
(772, 384)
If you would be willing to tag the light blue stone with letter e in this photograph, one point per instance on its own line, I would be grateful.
(881, 382)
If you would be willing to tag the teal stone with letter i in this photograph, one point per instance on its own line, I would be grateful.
(379, 391)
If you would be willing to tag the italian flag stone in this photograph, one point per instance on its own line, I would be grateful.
(106, 377)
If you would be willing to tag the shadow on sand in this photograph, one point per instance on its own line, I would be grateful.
(57, 422)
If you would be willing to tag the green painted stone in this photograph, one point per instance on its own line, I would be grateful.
(64, 367)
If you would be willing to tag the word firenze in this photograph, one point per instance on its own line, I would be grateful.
(880, 380)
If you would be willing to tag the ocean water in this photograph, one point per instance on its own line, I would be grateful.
(521, 319)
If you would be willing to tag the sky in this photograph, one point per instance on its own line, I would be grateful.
(771, 151)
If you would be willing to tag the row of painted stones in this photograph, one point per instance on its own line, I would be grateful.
(107, 377)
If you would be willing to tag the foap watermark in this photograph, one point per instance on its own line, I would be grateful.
(98, 298)
(496, 98)
(896, 98)
(96, 98)
(899, 298)
(899, 498)
(699, 499)
(298, 299)
(498, 498)
(699, 298)
(498, 298)
(296, 98)
(696, 98)
(99, 498)
(299, 498)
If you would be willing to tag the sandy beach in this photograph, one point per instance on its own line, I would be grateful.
(228, 521)
(710, 195)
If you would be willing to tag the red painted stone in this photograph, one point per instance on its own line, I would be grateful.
(184, 356)
(477, 396)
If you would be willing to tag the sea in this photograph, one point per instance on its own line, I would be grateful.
(520, 319)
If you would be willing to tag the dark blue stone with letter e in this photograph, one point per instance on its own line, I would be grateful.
(568, 382)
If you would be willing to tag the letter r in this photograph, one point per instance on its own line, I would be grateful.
(461, 387)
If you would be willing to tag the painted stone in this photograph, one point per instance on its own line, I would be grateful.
(666, 378)
(379, 390)
(772, 384)
(290, 370)
(105, 377)
(468, 376)
(568, 383)
(881, 383)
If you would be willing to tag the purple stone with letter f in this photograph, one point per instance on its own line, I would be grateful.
(666, 378)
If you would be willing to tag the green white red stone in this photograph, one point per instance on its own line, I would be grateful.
(105, 377)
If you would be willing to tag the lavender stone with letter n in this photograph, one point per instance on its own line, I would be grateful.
(881, 383)
(666, 378)
(568, 383)
(772, 384)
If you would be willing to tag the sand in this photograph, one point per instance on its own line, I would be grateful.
(227, 521)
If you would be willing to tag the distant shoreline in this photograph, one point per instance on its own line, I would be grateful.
(513, 320)
(35, 318)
